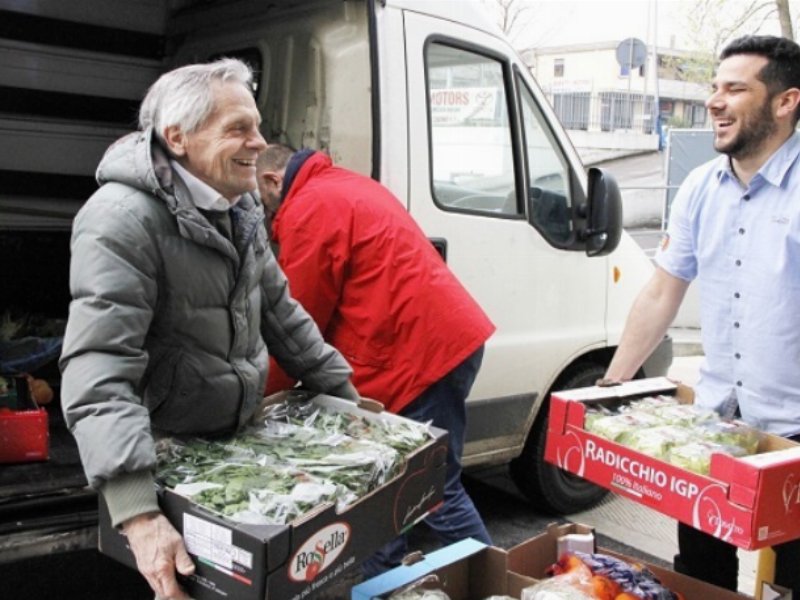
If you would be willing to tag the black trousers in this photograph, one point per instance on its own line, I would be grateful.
(710, 559)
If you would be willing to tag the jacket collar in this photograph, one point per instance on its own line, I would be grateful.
(294, 165)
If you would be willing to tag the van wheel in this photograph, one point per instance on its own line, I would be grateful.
(550, 489)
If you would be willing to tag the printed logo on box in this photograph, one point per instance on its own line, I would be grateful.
(319, 552)
(709, 513)
(791, 492)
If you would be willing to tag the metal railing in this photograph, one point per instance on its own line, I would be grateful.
(604, 111)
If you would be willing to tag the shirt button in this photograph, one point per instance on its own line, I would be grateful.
(746, 197)
(741, 230)
(736, 324)
(739, 383)
(738, 263)
(736, 294)
(737, 356)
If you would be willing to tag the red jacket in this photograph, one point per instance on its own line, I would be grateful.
(379, 291)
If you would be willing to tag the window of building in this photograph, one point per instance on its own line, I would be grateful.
(558, 67)
(572, 109)
(698, 115)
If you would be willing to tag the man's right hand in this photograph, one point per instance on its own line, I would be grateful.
(159, 553)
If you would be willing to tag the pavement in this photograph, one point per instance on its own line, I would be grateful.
(643, 528)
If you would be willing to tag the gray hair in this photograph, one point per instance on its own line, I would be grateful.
(275, 157)
(183, 96)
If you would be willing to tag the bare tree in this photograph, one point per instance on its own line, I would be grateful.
(512, 15)
(711, 24)
(785, 18)
(719, 21)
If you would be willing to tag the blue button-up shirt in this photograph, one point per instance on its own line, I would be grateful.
(743, 246)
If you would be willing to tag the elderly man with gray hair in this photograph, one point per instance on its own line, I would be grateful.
(177, 299)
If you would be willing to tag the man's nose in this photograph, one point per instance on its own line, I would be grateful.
(257, 141)
(714, 100)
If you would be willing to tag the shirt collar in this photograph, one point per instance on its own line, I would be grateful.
(774, 170)
(203, 195)
(778, 165)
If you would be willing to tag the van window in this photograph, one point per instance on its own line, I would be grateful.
(549, 194)
(470, 137)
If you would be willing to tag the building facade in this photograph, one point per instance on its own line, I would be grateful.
(592, 92)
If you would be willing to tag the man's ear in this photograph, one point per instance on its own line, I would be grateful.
(788, 101)
(176, 140)
(271, 177)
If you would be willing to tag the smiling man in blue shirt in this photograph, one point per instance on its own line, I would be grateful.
(735, 227)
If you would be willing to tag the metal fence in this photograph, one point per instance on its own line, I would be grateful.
(604, 111)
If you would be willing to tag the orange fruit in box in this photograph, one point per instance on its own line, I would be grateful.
(40, 391)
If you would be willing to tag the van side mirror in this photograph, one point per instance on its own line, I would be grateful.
(603, 215)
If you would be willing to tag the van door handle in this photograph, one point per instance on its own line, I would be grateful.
(441, 246)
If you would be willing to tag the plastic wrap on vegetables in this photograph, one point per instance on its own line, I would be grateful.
(685, 414)
(600, 576)
(303, 455)
(696, 456)
(241, 485)
(619, 427)
(573, 585)
(405, 436)
(649, 404)
(361, 465)
(732, 433)
(424, 588)
(657, 441)
(593, 413)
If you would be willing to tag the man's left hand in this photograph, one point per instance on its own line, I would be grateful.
(345, 390)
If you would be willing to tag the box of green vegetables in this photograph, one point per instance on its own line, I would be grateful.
(284, 508)
(648, 441)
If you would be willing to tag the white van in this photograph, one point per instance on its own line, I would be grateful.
(427, 97)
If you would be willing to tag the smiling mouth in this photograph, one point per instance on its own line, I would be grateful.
(723, 123)
(245, 162)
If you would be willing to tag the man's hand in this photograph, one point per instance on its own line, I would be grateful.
(345, 390)
(159, 552)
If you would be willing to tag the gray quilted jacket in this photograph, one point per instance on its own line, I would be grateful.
(170, 323)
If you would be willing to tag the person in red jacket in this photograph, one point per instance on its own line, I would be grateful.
(383, 296)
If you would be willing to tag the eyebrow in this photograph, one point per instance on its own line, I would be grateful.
(729, 83)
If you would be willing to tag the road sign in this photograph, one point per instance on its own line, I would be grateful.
(631, 53)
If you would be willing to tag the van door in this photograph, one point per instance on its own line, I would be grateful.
(489, 175)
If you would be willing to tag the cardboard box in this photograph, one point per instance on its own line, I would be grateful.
(465, 570)
(751, 502)
(24, 435)
(530, 559)
(282, 562)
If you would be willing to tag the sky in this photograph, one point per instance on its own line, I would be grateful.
(660, 22)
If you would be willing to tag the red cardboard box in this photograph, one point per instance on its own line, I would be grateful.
(529, 560)
(24, 435)
(240, 561)
(751, 502)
